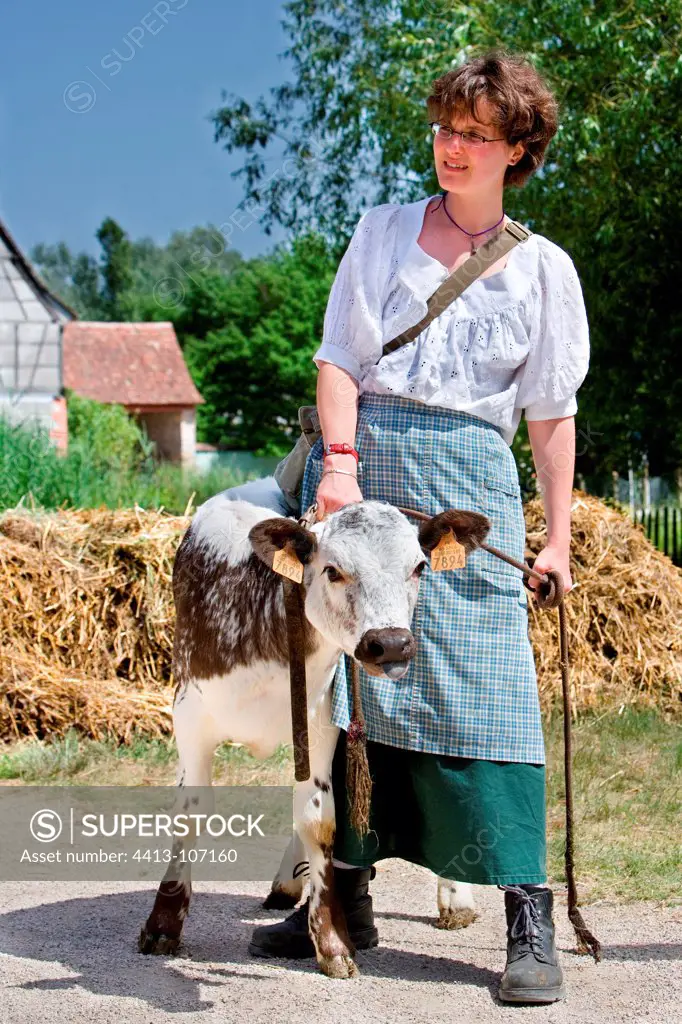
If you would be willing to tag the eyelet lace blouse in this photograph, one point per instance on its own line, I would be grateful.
(516, 340)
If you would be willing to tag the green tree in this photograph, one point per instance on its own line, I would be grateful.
(112, 438)
(248, 340)
(157, 278)
(74, 278)
(85, 278)
(116, 267)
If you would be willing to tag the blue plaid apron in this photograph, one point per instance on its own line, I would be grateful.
(471, 690)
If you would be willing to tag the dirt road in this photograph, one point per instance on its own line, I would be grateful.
(68, 954)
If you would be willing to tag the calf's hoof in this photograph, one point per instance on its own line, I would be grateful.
(157, 943)
(278, 899)
(459, 917)
(340, 966)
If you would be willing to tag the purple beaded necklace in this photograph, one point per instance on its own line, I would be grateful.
(471, 235)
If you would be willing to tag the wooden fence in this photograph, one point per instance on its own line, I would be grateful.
(663, 526)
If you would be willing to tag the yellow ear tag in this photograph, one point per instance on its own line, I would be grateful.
(286, 563)
(448, 553)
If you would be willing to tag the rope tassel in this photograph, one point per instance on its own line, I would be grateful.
(358, 779)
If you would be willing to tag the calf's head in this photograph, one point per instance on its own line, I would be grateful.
(361, 574)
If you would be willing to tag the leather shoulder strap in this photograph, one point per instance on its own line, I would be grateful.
(454, 285)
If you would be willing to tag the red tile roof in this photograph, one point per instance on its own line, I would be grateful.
(131, 364)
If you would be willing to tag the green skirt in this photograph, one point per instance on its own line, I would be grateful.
(463, 818)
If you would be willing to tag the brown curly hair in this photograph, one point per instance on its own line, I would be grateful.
(525, 108)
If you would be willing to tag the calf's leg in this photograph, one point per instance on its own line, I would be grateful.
(196, 742)
(456, 906)
(287, 885)
(315, 822)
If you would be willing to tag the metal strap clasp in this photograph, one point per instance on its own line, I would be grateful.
(519, 232)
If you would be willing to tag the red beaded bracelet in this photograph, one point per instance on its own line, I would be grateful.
(341, 449)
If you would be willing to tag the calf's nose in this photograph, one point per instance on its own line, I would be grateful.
(392, 644)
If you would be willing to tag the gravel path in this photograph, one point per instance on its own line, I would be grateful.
(67, 954)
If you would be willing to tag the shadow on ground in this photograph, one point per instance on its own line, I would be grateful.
(95, 940)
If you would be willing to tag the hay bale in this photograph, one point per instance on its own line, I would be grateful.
(91, 590)
(624, 614)
(39, 700)
(86, 620)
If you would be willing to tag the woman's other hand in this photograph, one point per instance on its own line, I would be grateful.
(551, 558)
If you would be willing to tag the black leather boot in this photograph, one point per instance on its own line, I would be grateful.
(532, 974)
(290, 938)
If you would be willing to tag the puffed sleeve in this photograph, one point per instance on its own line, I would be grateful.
(559, 352)
(352, 336)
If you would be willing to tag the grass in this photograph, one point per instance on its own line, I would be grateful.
(628, 802)
(95, 472)
(627, 786)
(74, 761)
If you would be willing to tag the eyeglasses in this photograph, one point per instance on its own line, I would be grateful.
(473, 139)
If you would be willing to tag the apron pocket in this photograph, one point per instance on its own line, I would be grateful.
(503, 584)
(503, 485)
(501, 476)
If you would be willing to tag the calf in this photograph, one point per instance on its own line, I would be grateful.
(361, 569)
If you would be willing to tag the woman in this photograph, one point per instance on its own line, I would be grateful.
(455, 747)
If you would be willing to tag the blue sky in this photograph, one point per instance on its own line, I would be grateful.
(85, 135)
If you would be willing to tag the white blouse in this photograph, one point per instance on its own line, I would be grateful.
(516, 340)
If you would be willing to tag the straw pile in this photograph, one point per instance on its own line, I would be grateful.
(86, 622)
(38, 700)
(624, 614)
(86, 619)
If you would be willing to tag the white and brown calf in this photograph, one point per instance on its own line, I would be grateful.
(361, 577)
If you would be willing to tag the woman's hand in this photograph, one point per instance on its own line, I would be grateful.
(335, 490)
(551, 558)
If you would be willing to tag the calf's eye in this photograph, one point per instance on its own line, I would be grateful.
(419, 569)
(333, 573)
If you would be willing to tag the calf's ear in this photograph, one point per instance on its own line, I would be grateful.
(469, 528)
(272, 535)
